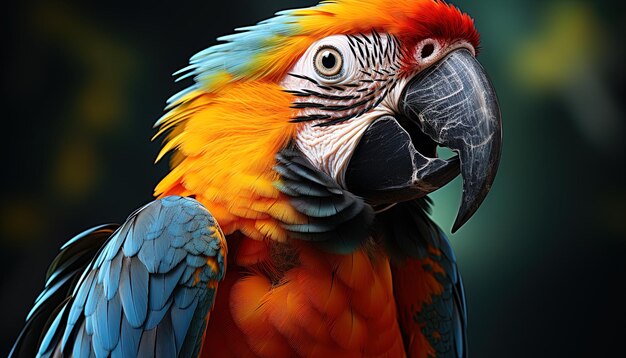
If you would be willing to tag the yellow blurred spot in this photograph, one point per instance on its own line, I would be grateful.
(102, 100)
(21, 221)
(610, 214)
(568, 42)
(76, 170)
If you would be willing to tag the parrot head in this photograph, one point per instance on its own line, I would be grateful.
(363, 90)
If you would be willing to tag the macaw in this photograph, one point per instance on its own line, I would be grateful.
(294, 219)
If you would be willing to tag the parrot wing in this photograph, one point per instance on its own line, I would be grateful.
(62, 275)
(426, 281)
(148, 290)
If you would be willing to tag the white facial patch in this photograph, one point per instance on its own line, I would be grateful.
(342, 84)
(330, 148)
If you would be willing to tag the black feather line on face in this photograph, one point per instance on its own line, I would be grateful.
(361, 57)
(365, 38)
(330, 96)
(311, 117)
(305, 78)
(356, 38)
(298, 93)
(327, 88)
(387, 47)
(376, 37)
(368, 56)
(311, 93)
(367, 92)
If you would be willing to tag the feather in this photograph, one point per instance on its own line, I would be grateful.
(47, 343)
(95, 294)
(147, 345)
(82, 345)
(132, 242)
(112, 282)
(121, 305)
(165, 339)
(156, 316)
(107, 322)
(185, 296)
(99, 351)
(129, 344)
(162, 286)
(181, 319)
(337, 221)
(134, 291)
(422, 257)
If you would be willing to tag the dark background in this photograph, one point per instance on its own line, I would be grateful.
(543, 259)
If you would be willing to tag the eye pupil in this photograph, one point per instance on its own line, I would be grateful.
(427, 50)
(328, 63)
(328, 60)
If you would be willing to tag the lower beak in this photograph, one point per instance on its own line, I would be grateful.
(451, 104)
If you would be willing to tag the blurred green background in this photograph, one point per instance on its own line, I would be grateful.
(544, 258)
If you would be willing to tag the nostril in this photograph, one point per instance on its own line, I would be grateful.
(427, 50)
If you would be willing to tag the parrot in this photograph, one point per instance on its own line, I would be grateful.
(294, 220)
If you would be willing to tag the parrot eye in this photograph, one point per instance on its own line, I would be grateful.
(328, 62)
(428, 51)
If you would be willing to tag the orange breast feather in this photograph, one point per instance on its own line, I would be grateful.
(325, 306)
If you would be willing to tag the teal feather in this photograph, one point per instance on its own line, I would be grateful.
(337, 220)
(236, 54)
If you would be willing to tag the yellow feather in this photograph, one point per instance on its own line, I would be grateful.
(225, 148)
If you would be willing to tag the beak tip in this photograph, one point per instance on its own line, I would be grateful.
(460, 220)
(472, 199)
(455, 227)
(465, 117)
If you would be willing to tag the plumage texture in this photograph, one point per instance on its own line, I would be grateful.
(313, 270)
(328, 305)
(427, 284)
(282, 296)
(61, 279)
(337, 220)
(267, 50)
(149, 289)
(236, 184)
(236, 102)
(300, 299)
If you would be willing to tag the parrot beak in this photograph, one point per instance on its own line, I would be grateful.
(451, 104)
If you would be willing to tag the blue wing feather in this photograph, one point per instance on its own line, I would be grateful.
(130, 344)
(147, 291)
(181, 318)
(111, 283)
(81, 346)
(155, 317)
(165, 339)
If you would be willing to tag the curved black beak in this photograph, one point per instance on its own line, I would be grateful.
(451, 104)
(456, 106)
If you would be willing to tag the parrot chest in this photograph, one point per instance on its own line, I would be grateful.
(322, 305)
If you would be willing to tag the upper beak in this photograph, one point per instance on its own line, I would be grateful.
(451, 104)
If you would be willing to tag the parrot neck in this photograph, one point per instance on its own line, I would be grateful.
(225, 147)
